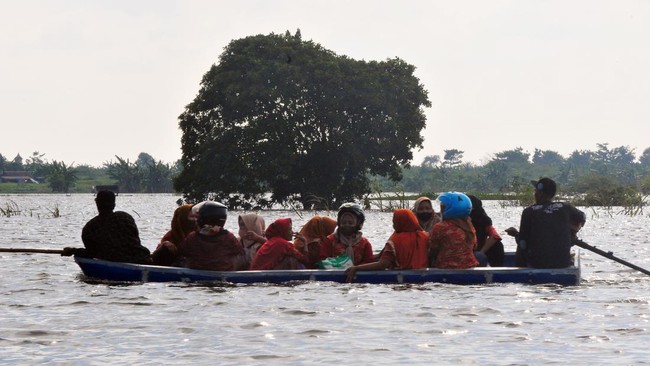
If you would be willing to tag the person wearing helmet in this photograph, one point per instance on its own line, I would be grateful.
(348, 238)
(453, 241)
(212, 247)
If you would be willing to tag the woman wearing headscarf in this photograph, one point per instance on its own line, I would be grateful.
(487, 239)
(453, 240)
(426, 215)
(278, 252)
(182, 224)
(315, 230)
(251, 234)
(407, 247)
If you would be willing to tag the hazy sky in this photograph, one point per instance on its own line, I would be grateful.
(83, 81)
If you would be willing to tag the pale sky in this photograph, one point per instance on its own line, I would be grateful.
(83, 81)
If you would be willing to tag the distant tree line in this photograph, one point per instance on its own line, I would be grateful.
(605, 176)
(614, 170)
(145, 175)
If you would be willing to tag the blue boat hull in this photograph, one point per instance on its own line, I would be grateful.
(127, 272)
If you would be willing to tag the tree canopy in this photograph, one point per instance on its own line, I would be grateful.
(281, 115)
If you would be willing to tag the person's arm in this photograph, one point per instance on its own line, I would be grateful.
(492, 238)
(374, 266)
(307, 258)
(368, 256)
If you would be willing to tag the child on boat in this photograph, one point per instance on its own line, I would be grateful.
(407, 247)
(278, 252)
(212, 247)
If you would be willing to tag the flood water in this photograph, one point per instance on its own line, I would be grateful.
(50, 314)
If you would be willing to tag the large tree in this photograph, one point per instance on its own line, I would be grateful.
(282, 115)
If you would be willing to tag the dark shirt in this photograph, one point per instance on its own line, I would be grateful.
(546, 234)
(114, 237)
(222, 252)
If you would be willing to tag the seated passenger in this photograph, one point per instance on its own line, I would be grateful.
(487, 239)
(212, 247)
(183, 223)
(453, 240)
(547, 230)
(314, 231)
(427, 216)
(407, 248)
(251, 234)
(348, 238)
(111, 236)
(278, 252)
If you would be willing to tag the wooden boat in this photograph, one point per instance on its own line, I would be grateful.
(128, 272)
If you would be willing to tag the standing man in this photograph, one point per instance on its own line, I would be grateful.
(112, 235)
(545, 237)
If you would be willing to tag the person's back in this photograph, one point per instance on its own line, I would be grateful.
(545, 233)
(212, 247)
(219, 252)
(453, 241)
(408, 246)
(112, 235)
(547, 236)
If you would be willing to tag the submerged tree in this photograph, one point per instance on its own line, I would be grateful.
(287, 116)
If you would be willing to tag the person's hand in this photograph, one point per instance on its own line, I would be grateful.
(512, 231)
(299, 236)
(313, 250)
(251, 235)
(351, 273)
(68, 251)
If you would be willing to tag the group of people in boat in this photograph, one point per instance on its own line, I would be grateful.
(460, 236)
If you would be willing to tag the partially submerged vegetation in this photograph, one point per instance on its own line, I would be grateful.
(10, 209)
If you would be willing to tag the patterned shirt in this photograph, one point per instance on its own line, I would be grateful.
(454, 252)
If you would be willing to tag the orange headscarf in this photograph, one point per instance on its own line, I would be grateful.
(181, 224)
(317, 228)
(409, 241)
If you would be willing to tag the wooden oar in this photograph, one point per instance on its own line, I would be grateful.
(32, 250)
(611, 256)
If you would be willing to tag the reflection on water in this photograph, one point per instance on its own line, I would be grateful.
(52, 314)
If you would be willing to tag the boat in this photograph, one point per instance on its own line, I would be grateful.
(128, 272)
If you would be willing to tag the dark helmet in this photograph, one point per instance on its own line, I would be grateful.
(353, 208)
(212, 213)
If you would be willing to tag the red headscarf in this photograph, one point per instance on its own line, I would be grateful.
(279, 228)
(181, 225)
(409, 242)
(275, 248)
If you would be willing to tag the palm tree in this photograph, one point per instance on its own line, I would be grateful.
(61, 177)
